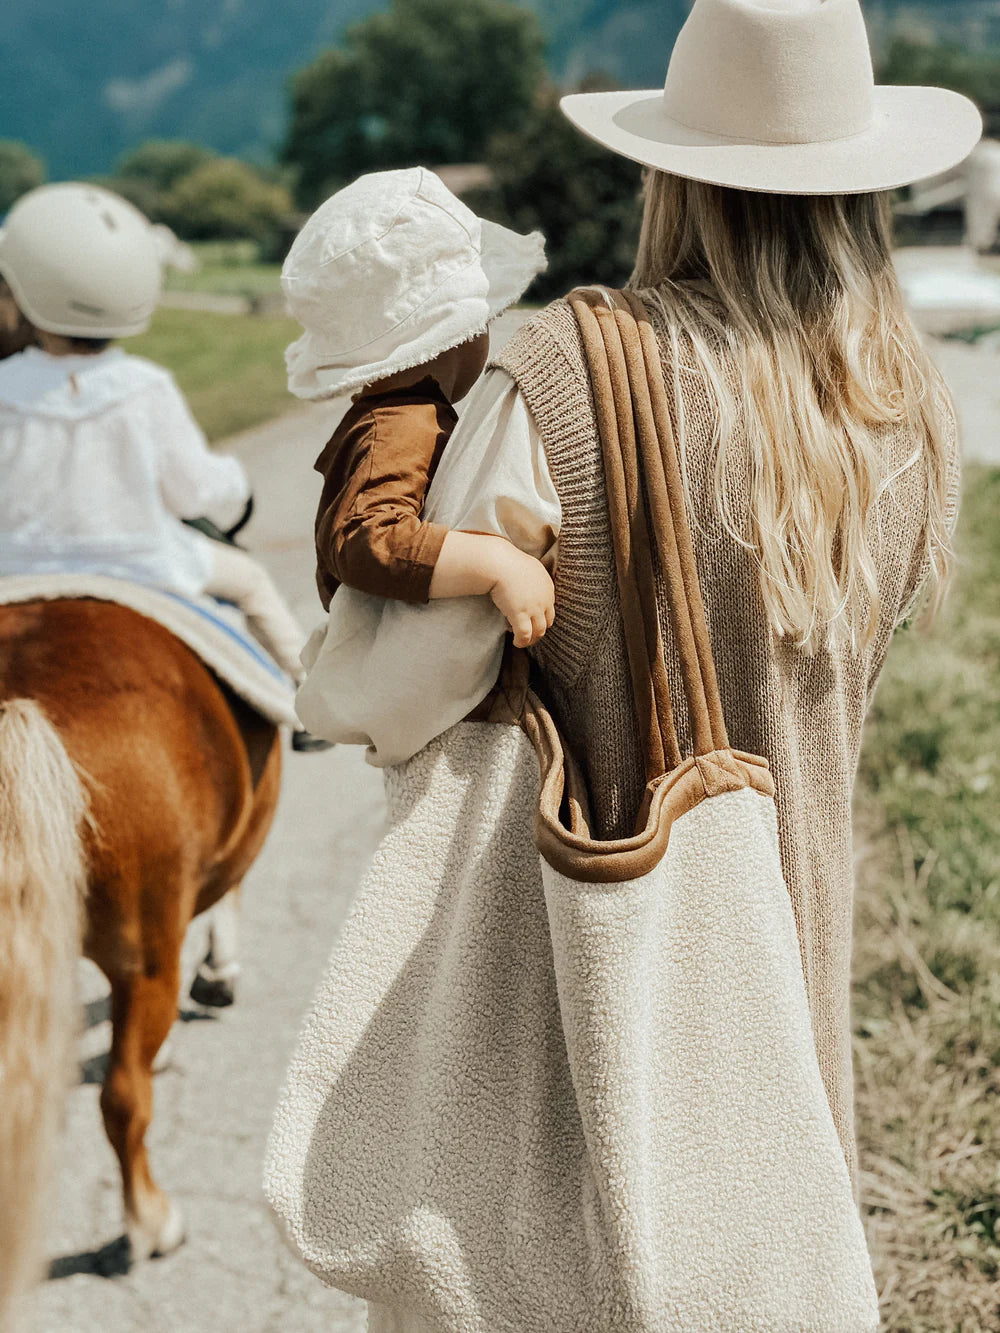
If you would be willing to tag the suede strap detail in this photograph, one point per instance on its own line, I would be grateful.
(649, 527)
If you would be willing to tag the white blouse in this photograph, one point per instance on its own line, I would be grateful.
(100, 459)
(393, 675)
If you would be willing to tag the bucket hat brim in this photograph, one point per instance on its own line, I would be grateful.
(915, 133)
(507, 263)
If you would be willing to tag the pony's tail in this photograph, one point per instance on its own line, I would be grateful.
(43, 806)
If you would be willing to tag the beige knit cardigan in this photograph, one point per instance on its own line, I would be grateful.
(802, 713)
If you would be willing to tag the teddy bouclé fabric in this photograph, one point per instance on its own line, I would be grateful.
(432, 1153)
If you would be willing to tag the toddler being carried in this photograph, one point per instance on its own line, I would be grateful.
(395, 282)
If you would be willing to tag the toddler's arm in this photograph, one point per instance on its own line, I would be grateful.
(471, 564)
(369, 532)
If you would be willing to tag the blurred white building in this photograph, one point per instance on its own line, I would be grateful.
(973, 188)
(982, 200)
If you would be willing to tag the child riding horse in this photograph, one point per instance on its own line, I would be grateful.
(132, 782)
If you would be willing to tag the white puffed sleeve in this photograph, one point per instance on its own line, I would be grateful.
(393, 675)
(194, 481)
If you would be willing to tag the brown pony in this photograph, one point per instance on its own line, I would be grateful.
(135, 791)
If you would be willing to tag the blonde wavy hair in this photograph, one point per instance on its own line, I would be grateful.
(796, 321)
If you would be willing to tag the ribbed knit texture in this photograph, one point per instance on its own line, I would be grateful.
(802, 713)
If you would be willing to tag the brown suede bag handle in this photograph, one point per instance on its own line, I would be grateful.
(647, 512)
(622, 352)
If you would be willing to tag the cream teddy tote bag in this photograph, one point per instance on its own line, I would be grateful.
(577, 1091)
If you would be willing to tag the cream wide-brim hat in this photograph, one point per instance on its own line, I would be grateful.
(779, 96)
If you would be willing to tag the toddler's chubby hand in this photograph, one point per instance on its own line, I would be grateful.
(471, 564)
(524, 594)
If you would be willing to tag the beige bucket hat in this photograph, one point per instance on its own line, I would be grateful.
(780, 96)
(389, 273)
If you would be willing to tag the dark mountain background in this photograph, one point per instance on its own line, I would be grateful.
(83, 82)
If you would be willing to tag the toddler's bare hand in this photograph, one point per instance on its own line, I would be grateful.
(525, 596)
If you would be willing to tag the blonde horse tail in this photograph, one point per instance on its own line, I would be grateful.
(43, 806)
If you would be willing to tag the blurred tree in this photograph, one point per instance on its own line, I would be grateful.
(149, 172)
(142, 193)
(162, 162)
(976, 73)
(427, 81)
(584, 199)
(20, 171)
(224, 198)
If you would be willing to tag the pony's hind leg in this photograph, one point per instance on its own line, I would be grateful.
(143, 1009)
(214, 984)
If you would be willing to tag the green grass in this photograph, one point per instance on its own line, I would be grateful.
(230, 367)
(927, 954)
(229, 268)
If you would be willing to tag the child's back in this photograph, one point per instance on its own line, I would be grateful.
(395, 282)
(100, 457)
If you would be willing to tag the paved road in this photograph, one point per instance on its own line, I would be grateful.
(213, 1103)
(973, 375)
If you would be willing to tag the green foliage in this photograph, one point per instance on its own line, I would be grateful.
(926, 997)
(230, 367)
(203, 196)
(427, 81)
(972, 71)
(20, 171)
(160, 163)
(936, 773)
(225, 198)
(142, 193)
(584, 199)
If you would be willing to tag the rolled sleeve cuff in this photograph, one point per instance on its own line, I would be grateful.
(416, 582)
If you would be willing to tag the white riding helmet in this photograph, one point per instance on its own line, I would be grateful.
(81, 262)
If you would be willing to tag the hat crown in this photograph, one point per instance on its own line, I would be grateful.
(396, 236)
(389, 273)
(773, 71)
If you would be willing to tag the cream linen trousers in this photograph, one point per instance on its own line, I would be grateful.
(236, 577)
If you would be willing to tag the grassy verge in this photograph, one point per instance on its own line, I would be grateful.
(229, 268)
(927, 957)
(231, 367)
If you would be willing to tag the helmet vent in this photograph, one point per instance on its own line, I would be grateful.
(109, 222)
(86, 309)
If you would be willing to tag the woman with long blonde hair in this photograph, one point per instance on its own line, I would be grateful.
(817, 444)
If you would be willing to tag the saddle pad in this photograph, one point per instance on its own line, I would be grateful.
(215, 631)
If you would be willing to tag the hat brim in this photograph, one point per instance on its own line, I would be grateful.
(916, 133)
(511, 262)
(508, 261)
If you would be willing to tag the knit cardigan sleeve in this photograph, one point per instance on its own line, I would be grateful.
(393, 675)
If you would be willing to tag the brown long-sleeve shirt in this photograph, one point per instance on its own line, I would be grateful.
(376, 470)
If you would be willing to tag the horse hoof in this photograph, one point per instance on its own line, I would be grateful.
(154, 1239)
(214, 990)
